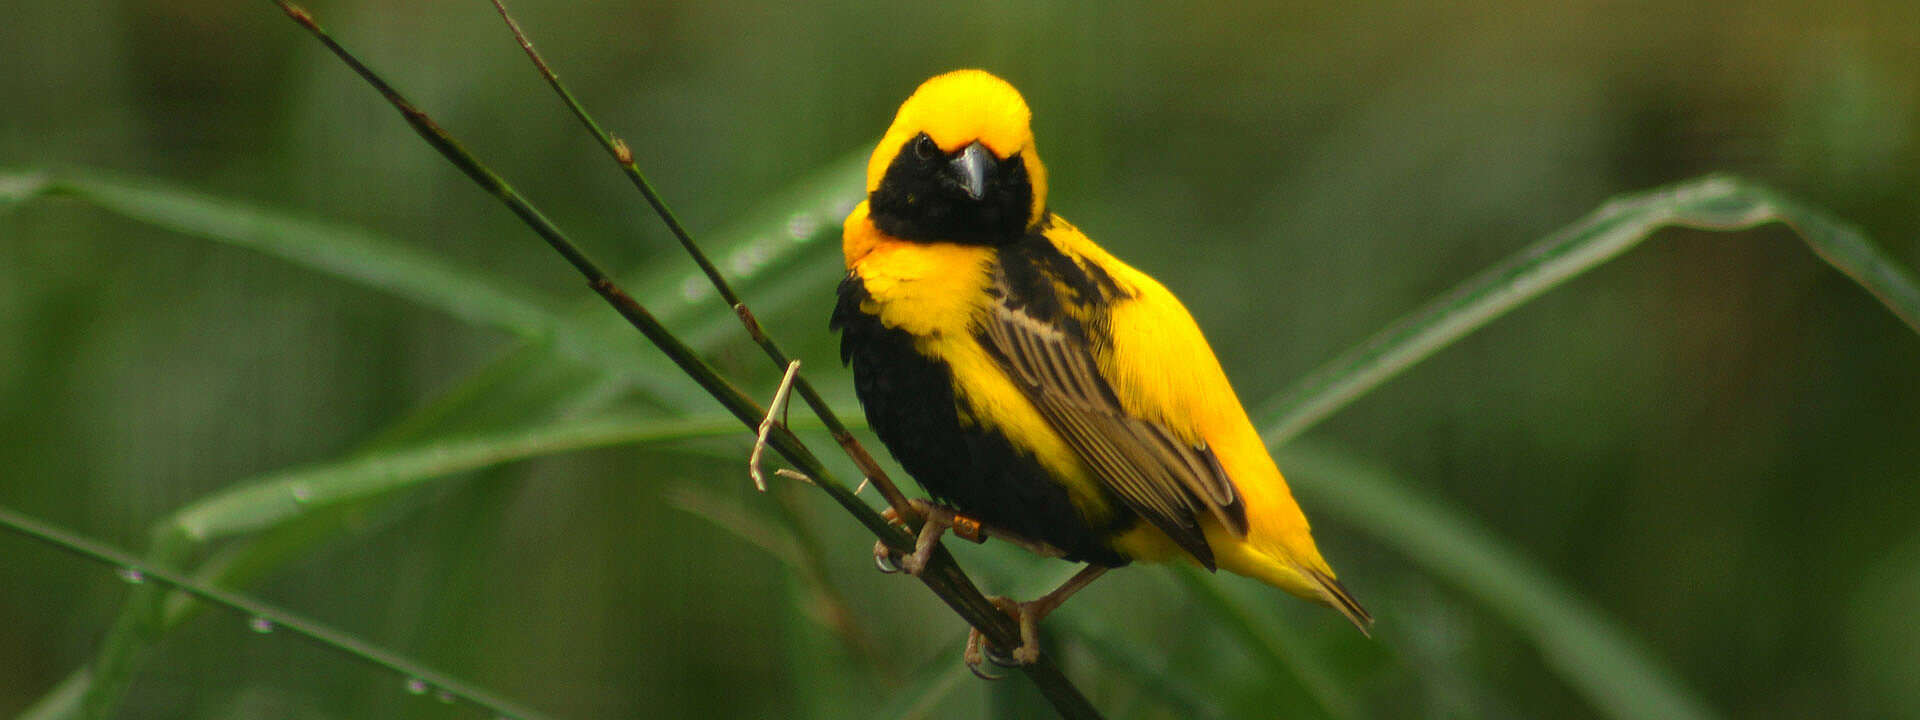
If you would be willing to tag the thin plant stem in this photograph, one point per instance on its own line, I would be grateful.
(623, 155)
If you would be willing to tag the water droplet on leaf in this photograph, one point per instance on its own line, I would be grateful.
(693, 288)
(802, 226)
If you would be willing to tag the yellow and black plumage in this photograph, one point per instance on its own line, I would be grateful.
(1034, 382)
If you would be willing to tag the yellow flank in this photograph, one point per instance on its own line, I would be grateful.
(1158, 364)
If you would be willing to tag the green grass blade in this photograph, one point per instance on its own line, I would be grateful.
(279, 499)
(260, 615)
(1597, 657)
(335, 249)
(264, 503)
(17, 187)
(63, 701)
(1715, 202)
(1848, 250)
(766, 241)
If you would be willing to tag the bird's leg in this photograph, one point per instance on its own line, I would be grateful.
(980, 532)
(1029, 615)
(939, 520)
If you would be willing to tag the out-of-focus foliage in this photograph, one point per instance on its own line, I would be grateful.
(1711, 440)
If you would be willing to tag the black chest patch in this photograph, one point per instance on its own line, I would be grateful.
(911, 405)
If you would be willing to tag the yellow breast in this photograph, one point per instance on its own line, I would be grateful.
(937, 292)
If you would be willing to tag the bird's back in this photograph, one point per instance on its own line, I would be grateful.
(1162, 370)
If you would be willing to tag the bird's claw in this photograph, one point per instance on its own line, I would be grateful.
(980, 649)
(979, 652)
(883, 559)
(999, 657)
(937, 520)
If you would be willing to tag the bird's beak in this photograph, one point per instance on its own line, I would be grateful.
(971, 167)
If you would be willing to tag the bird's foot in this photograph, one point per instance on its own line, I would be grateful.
(938, 520)
(1028, 615)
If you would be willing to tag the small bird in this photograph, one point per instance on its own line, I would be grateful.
(1036, 385)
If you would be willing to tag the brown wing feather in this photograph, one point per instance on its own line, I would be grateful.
(1166, 480)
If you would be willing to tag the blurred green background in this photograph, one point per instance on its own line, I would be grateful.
(1712, 441)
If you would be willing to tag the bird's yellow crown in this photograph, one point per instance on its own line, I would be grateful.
(958, 108)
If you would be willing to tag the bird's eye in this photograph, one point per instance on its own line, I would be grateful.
(925, 147)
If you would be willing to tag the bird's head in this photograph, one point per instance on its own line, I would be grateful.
(958, 164)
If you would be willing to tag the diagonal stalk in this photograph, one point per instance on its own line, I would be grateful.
(623, 155)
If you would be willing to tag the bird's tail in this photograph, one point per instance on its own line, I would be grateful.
(1297, 569)
(1334, 594)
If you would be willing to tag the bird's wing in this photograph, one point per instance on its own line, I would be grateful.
(1167, 480)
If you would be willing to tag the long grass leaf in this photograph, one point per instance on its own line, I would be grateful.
(336, 249)
(766, 240)
(18, 186)
(1715, 202)
(254, 505)
(261, 617)
(1593, 654)
(1597, 657)
(277, 499)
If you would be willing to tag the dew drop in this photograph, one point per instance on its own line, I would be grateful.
(131, 575)
(802, 226)
(260, 625)
(444, 696)
(693, 288)
(302, 494)
(742, 262)
(416, 686)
